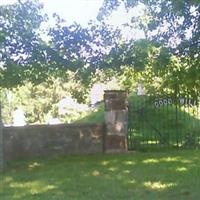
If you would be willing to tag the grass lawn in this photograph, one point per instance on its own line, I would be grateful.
(137, 175)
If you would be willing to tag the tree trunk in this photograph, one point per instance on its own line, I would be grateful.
(1, 142)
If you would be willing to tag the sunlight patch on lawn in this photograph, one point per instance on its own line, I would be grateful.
(112, 169)
(34, 165)
(181, 169)
(8, 179)
(126, 171)
(132, 181)
(129, 163)
(151, 160)
(170, 159)
(175, 159)
(43, 189)
(167, 159)
(95, 173)
(157, 185)
(33, 187)
(186, 161)
(104, 163)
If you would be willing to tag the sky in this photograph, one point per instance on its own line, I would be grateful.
(82, 11)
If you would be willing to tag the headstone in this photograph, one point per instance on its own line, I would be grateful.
(54, 121)
(96, 93)
(65, 105)
(140, 90)
(19, 117)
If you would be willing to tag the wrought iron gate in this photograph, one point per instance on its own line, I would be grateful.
(167, 122)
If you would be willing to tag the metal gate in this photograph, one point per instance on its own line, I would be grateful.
(163, 122)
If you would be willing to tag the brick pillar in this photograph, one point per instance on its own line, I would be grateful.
(116, 120)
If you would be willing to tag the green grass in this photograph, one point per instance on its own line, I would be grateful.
(138, 176)
(95, 116)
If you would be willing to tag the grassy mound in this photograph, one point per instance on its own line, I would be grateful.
(94, 116)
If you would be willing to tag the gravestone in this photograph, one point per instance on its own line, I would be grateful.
(140, 89)
(19, 117)
(116, 120)
(96, 93)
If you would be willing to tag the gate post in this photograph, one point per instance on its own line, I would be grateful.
(116, 120)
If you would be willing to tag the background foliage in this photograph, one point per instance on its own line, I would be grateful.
(39, 67)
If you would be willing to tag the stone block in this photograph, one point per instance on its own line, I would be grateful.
(116, 129)
(115, 104)
(115, 143)
(113, 94)
(116, 116)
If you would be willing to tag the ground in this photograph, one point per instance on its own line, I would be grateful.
(136, 175)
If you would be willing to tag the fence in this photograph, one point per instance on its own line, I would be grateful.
(164, 121)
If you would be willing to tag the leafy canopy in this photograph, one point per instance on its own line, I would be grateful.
(173, 28)
(21, 50)
(26, 56)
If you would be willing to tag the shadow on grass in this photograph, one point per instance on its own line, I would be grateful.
(166, 175)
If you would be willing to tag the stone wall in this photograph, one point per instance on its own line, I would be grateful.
(47, 140)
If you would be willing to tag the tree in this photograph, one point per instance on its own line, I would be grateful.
(175, 27)
(23, 55)
(171, 19)
(21, 49)
(44, 98)
(1, 143)
(85, 46)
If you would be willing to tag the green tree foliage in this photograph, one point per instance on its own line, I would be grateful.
(171, 19)
(84, 46)
(21, 51)
(40, 102)
(25, 56)
(137, 54)
(172, 27)
(166, 60)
